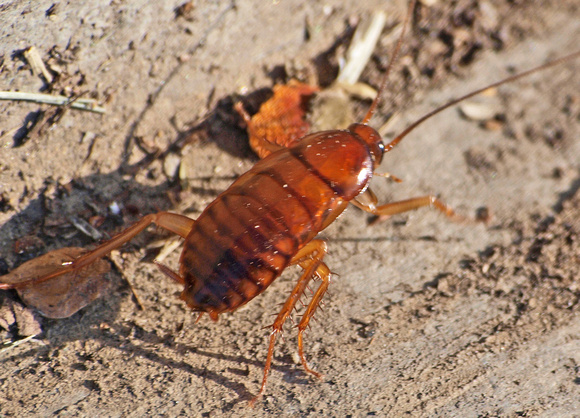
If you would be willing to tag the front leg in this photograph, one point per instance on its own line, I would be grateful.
(367, 201)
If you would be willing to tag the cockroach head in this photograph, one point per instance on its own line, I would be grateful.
(372, 139)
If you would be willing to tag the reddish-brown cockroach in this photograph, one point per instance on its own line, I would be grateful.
(268, 219)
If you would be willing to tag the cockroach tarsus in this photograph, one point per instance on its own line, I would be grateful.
(268, 219)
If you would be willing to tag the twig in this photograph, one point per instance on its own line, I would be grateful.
(361, 48)
(167, 249)
(57, 100)
(17, 343)
(35, 60)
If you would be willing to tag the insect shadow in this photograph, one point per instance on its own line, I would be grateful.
(45, 224)
(47, 220)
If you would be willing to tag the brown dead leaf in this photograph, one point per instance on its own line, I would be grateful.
(281, 120)
(62, 296)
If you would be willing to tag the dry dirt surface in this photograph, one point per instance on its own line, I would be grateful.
(424, 317)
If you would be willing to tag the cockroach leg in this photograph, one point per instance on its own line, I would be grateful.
(310, 259)
(178, 224)
(324, 273)
(367, 201)
(169, 273)
(389, 176)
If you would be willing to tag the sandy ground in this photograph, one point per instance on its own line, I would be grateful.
(424, 317)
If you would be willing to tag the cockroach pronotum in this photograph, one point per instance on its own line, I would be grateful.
(268, 219)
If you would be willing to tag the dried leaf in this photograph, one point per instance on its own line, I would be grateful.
(281, 120)
(62, 296)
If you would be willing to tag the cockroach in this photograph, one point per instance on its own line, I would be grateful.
(268, 219)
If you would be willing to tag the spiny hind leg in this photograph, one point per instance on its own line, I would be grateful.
(178, 224)
(323, 272)
(310, 259)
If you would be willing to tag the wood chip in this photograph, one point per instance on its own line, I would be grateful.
(36, 64)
